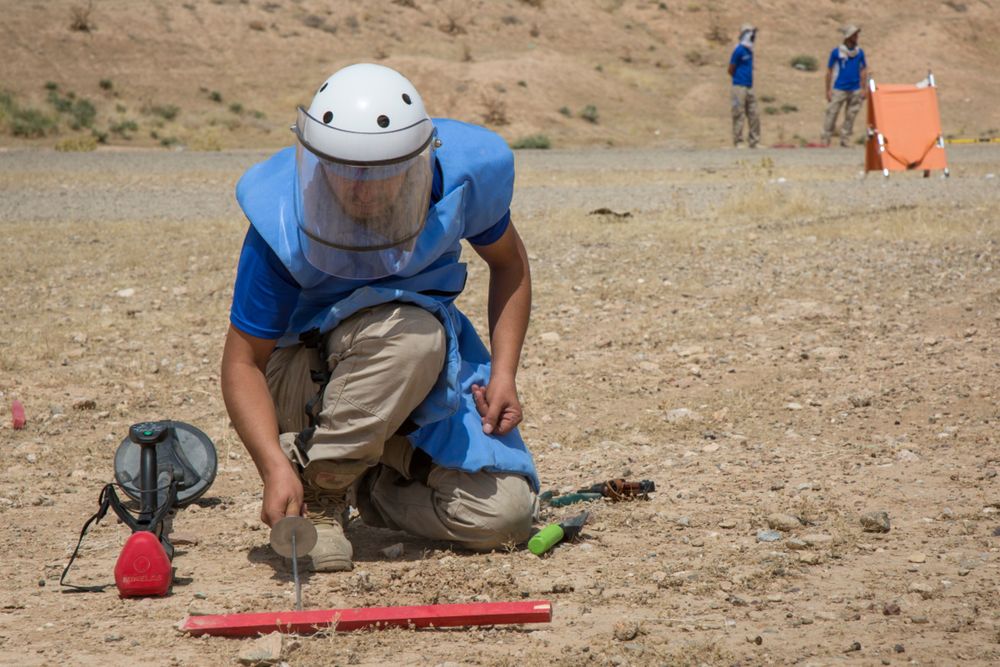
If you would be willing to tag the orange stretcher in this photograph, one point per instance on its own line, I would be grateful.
(904, 128)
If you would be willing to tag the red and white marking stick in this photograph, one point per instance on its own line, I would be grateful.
(344, 620)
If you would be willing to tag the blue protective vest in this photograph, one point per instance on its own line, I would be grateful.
(477, 172)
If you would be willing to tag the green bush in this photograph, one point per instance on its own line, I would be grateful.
(236, 108)
(566, 112)
(124, 128)
(61, 104)
(805, 63)
(789, 108)
(771, 111)
(589, 113)
(83, 113)
(166, 111)
(30, 123)
(215, 96)
(106, 84)
(539, 141)
(51, 85)
(767, 99)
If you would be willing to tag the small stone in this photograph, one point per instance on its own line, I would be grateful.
(711, 448)
(919, 620)
(875, 522)
(855, 646)
(683, 521)
(113, 638)
(755, 639)
(125, 293)
(84, 404)
(785, 522)
(31, 458)
(817, 540)
(890, 609)
(251, 524)
(917, 558)
(551, 337)
(263, 651)
(924, 589)
(809, 557)
(795, 544)
(727, 523)
(793, 406)
(393, 551)
(56, 410)
(680, 415)
(899, 648)
(768, 536)
(906, 455)
(634, 647)
(626, 630)
(184, 539)
(777, 486)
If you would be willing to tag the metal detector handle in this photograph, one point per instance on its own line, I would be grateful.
(147, 435)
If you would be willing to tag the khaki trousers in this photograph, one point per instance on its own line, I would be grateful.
(384, 361)
(851, 101)
(744, 104)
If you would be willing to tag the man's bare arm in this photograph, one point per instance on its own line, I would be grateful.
(251, 409)
(509, 311)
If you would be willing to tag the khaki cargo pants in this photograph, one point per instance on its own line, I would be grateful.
(851, 100)
(384, 361)
(744, 104)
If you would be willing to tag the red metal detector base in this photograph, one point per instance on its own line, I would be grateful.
(344, 620)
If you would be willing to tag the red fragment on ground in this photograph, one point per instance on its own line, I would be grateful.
(17, 414)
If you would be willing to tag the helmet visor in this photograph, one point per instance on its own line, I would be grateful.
(356, 221)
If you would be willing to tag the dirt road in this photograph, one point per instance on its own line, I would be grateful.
(765, 334)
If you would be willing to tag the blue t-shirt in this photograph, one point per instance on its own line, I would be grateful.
(265, 294)
(848, 70)
(743, 73)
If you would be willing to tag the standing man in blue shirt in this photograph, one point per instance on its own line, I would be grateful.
(847, 71)
(744, 103)
(348, 371)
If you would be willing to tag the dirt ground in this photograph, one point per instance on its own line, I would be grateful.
(766, 333)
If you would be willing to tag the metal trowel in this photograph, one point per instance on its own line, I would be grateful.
(294, 537)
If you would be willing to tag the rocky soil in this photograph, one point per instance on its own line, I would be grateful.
(787, 349)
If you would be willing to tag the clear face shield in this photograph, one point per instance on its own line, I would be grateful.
(359, 221)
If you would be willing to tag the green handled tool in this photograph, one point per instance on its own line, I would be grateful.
(555, 533)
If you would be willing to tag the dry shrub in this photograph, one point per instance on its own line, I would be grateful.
(717, 35)
(771, 201)
(696, 58)
(81, 144)
(452, 24)
(80, 18)
(496, 110)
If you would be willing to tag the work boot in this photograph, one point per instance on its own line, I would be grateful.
(328, 512)
(325, 483)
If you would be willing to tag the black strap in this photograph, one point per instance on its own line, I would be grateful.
(109, 500)
(316, 340)
(105, 503)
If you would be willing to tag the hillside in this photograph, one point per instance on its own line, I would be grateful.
(211, 74)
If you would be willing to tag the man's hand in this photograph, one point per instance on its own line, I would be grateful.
(498, 405)
(829, 95)
(282, 495)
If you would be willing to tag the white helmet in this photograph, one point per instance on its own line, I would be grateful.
(364, 169)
